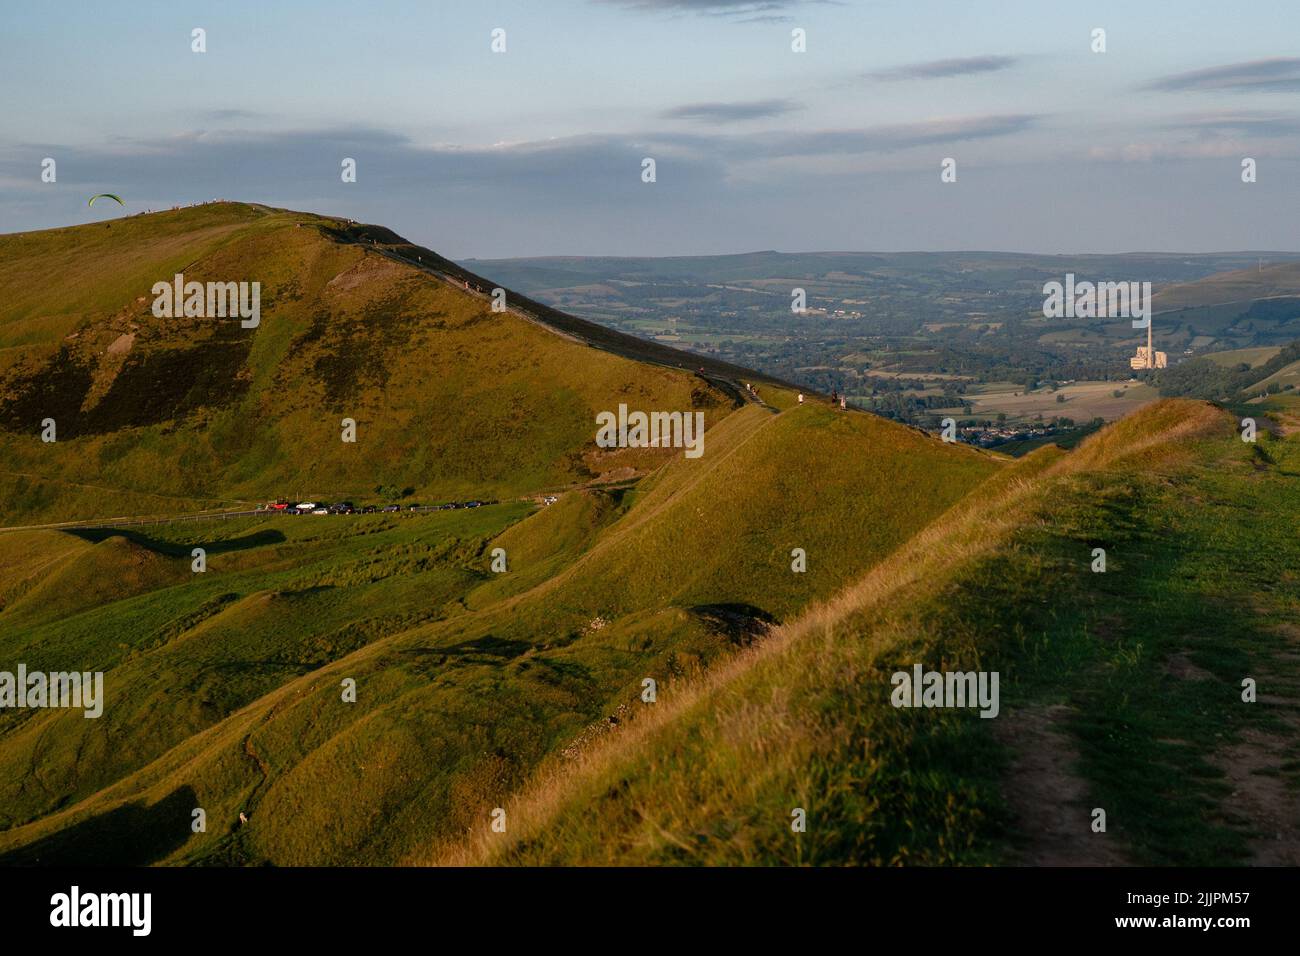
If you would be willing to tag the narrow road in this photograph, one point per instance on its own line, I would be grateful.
(132, 521)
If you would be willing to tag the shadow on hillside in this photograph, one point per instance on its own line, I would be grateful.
(131, 835)
(489, 646)
(741, 624)
(254, 539)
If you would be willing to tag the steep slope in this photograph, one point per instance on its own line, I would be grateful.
(724, 374)
(230, 699)
(1120, 690)
(168, 415)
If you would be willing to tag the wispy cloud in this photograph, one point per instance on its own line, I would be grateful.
(284, 166)
(1274, 75)
(745, 11)
(264, 160)
(730, 112)
(943, 69)
(1249, 122)
(879, 139)
(584, 194)
(293, 162)
(1217, 134)
(229, 114)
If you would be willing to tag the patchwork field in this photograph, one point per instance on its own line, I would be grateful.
(1083, 401)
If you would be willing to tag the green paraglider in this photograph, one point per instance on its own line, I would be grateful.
(118, 199)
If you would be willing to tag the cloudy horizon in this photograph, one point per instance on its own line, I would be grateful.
(538, 151)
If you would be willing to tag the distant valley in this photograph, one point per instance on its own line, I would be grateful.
(919, 336)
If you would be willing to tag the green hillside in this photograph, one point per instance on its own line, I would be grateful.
(367, 689)
(467, 680)
(224, 688)
(1119, 690)
(1288, 376)
(1240, 285)
(170, 415)
(1248, 357)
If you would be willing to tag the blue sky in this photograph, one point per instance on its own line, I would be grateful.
(537, 151)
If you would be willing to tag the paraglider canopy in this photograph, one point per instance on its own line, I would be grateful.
(117, 199)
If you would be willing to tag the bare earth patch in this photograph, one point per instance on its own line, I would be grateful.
(1180, 666)
(122, 344)
(1263, 798)
(368, 268)
(1048, 797)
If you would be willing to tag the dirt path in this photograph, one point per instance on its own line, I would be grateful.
(1048, 797)
(1271, 809)
(1264, 791)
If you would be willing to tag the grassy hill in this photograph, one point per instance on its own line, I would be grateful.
(166, 415)
(224, 688)
(1287, 375)
(467, 679)
(1276, 280)
(522, 690)
(367, 689)
(1249, 357)
(1119, 690)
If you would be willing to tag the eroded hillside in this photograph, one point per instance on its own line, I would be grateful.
(164, 415)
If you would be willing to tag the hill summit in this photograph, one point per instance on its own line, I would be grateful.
(156, 403)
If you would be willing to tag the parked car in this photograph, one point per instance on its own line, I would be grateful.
(342, 508)
(305, 506)
(278, 506)
(389, 508)
(472, 504)
(413, 507)
(320, 511)
(369, 510)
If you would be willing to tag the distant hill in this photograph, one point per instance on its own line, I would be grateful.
(1231, 376)
(1248, 357)
(1275, 280)
(1287, 375)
